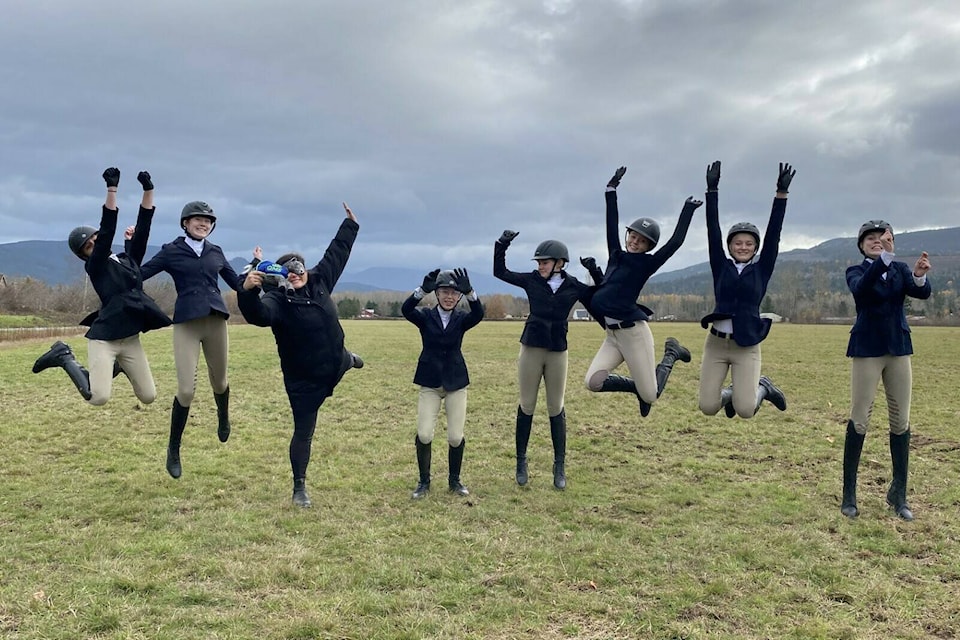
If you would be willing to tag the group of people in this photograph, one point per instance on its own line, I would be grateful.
(295, 303)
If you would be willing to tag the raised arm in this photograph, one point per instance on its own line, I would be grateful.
(500, 270)
(613, 213)
(136, 248)
(679, 234)
(103, 245)
(409, 307)
(334, 260)
(715, 243)
(771, 239)
(919, 287)
(463, 285)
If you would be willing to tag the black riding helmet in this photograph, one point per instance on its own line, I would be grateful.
(648, 228)
(78, 237)
(872, 225)
(744, 227)
(551, 250)
(446, 279)
(197, 208)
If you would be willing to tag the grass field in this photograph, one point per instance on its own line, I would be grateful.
(675, 526)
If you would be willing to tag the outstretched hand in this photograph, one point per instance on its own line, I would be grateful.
(349, 212)
(617, 176)
(430, 281)
(462, 281)
(785, 178)
(922, 266)
(692, 203)
(713, 176)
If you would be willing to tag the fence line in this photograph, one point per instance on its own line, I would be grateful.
(28, 333)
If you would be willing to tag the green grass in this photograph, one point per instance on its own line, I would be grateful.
(11, 322)
(676, 526)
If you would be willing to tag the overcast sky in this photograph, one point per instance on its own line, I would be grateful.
(442, 123)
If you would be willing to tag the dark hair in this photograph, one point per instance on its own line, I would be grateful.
(287, 257)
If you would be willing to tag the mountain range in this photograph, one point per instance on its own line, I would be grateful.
(52, 262)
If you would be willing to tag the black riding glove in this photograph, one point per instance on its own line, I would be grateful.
(111, 176)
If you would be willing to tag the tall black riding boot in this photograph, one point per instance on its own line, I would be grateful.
(455, 459)
(524, 426)
(617, 383)
(79, 375)
(672, 351)
(770, 392)
(726, 401)
(60, 355)
(852, 446)
(424, 453)
(558, 434)
(897, 495)
(178, 422)
(300, 497)
(223, 414)
(53, 357)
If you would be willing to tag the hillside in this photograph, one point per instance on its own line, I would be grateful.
(819, 268)
(822, 268)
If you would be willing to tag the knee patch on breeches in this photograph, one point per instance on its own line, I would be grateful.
(98, 400)
(185, 397)
(595, 382)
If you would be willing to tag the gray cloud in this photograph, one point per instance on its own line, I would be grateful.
(441, 124)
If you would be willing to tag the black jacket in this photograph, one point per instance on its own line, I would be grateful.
(305, 323)
(881, 327)
(738, 295)
(546, 326)
(125, 310)
(195, 278)
(441, 362)
(626, 273)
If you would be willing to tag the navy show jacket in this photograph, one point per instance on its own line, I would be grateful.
(195, 278)
(881, 326)
(738, 295)
(441, 362)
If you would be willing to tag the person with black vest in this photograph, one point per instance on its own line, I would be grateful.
(736, 328)
(551, 294)
(199, 319)
(441, 370)
(310, 339)
(881, 347)
(113, 341)
(614, 304)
